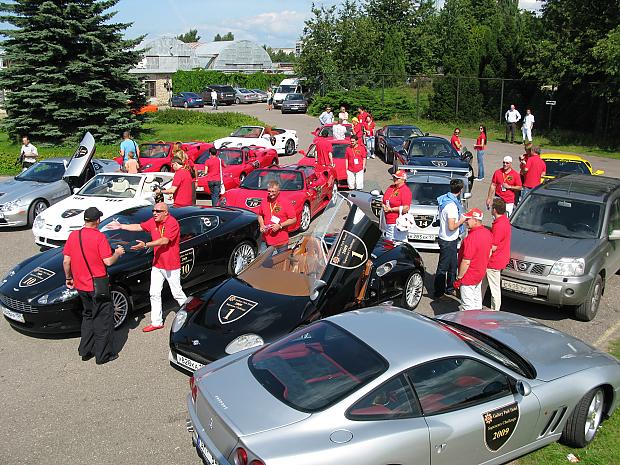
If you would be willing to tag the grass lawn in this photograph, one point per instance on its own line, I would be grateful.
(604, 450)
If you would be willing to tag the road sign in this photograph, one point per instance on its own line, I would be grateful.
(550, 102)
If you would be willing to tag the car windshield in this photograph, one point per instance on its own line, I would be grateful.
(244, 91)
(123, 238)
(431, 148)
(404, 133)
(555, 167)
(426, 193)
(558, 216)
(231, 157)
(315, 367)
(154, 150)
(111, 185)
(289, 180)
(44, 171)
(191, 95)
(338, 150)
(294, 97)
(248, 131)
(328, 131)
(286, 89)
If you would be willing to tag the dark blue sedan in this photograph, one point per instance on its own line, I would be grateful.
(187, 100)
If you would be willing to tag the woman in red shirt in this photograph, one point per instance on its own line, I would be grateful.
(456, 140)
(481, 145)
(396, 202)
(369, 131)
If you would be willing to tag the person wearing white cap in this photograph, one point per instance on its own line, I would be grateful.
(506, 182)
(473, 260)
(396, 202)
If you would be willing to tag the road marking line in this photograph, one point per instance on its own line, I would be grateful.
(606, 335)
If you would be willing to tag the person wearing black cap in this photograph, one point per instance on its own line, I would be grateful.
(87, 253)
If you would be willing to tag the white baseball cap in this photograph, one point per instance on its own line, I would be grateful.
(508, 159)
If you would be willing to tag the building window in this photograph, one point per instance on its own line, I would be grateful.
(152, 62)
(149, 87)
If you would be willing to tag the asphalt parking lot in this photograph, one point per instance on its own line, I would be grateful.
(60, 410)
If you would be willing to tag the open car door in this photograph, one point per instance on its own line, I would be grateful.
(79, 169)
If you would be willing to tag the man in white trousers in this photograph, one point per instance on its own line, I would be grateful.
(528, 125)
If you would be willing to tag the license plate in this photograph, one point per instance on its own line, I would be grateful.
(13, 315)
(208, 456)
(1, 216)
(519, 288)
(186, 362)
(421, 237)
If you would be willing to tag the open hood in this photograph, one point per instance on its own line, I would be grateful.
(81, 158)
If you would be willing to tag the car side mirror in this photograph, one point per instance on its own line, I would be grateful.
(523, 388)
(426, 134)
(614, 235)
(467, 195)
(318, 285)
(302, 152)
(375, 192)
(599, 172)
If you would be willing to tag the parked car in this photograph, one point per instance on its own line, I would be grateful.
(261, 93)
(284, 141)
(339, 148)
(287, 86)
(294, 103)
(215, 242)
(565, 243)
(343, 264)
(186, 99)
(156, 157)
(390, 139)
(385, 386)
(44, 184)
(245, 96)
(564, 163)
(225, 94)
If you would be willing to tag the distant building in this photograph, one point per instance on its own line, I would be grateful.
(283, 50)
(298, 47)
(234, 56)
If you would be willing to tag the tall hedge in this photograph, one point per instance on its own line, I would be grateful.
(196, 80)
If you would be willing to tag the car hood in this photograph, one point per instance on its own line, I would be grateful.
(245, 198)
(552, 353)
(12, 189)
(532, 245)
(35, 276)
(437, 161)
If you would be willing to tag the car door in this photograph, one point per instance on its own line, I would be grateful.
(380, 142)
(614, 246)
(314, 191)
(472, 413)
(195, 250)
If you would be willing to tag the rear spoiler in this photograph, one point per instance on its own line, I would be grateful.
(447, 170)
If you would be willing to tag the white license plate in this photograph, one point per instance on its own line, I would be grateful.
(421, 237)
(1, 216)
(13, 315)
(519, 288)
(208, 456)
(186, 362)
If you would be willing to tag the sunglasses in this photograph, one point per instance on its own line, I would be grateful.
(158, 211)
(506, 162)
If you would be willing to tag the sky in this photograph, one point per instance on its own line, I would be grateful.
(276, 23)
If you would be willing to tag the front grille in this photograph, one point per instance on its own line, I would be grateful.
(526, 267)
(17, 305)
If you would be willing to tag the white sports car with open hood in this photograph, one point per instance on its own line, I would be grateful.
(283, 140)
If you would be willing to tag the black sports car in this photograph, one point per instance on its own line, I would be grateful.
(215, 242)
(390, 139)
(342, 265)
(433, 151)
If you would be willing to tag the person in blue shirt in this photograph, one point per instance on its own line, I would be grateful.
(128, 145)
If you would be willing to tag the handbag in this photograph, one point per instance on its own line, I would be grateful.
(101, 285)
(222, 187)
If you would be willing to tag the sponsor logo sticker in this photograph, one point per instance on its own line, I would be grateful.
(350, 252)
(187, 262)
(233, 308)
(36, 276)
(499, 425)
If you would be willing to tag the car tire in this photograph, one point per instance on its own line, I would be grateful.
(165, 169)
(289, 147)
(185, 105)
(35, 208)
(588, 309)
(241, 256)
(237, 101)
(412, 291)
(306, 218)
(583, 422)
(121, 305)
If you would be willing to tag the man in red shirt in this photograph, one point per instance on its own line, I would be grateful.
(165, 241)
(182, 188)
(473, 260)
(361, 114)
(369, 135)
(396, 202)
(274, 217)
(456, 140)
(323, 148)
(500, 251)
(87, 253)
(214, 176)
(355, 164)
(535, 169)
(504, 184)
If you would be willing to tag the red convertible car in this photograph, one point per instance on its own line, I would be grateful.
(237, 163)
(338, 149)
(157, 156)
(309, 189)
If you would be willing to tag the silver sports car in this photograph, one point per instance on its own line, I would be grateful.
(388, 386)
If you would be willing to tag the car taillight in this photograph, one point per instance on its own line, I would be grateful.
(241, 456)
(193, 387)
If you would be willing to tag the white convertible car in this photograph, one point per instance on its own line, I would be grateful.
(283, 140)
(111, 193)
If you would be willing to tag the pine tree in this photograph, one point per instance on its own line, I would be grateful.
(190, 36)
(68, 71)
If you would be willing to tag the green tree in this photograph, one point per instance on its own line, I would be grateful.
(68, 71)
(226, 37)
(393, 57)
(190, 36)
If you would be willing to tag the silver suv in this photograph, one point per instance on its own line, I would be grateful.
(565, 244)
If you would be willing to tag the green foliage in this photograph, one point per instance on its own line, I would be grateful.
(68, 71)
(190, 36)
(223, 119)
(197, 79)
(280, 56)
(226, 37)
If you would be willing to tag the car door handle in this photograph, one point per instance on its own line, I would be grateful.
(440, 448)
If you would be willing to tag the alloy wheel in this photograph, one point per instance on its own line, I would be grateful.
(594, 415)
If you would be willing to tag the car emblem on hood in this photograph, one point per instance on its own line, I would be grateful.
(71, 212)
(439, 163)
(36, 276)
(233, 308)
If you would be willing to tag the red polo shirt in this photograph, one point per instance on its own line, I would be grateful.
(396, 197)
(456, 142)
(476, 248)
(213, 165)
(535, 167)
(166, 257)
(355, 158)
(370, 128)
(183, 181)
(358, 129)
(323, 148)
(276, 212)
(96, 248)
(500, 230)
(511, 178)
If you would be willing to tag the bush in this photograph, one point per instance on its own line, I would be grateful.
(196, 80)
(223, 119)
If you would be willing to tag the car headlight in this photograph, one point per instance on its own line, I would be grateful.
(385, 268)
(179, 320)
(10, 206)
(39, 221)
(243, 342)
(62, 294)
(569, 267)
(9, 275)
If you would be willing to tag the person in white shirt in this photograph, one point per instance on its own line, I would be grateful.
(28, 154)
(327, 117)
(214, 99)
(512, 117)
(528, 124)
(343, 115)
(339, 130)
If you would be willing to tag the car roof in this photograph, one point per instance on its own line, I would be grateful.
(402, 337)
(562, 156)
(581, 186)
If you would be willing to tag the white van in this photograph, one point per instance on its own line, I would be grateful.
(287, 86)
